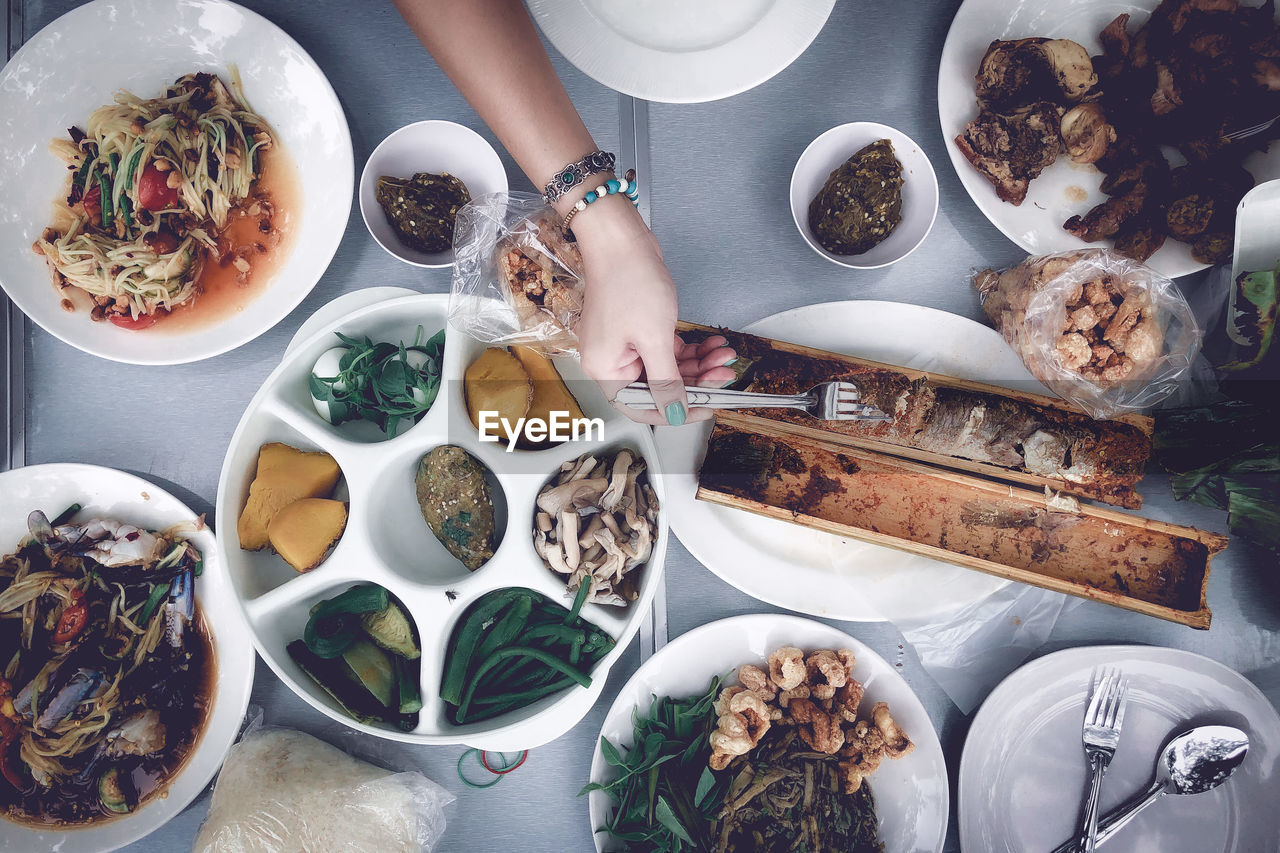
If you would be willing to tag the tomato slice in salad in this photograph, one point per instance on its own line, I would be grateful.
(93, 203)
(128, 321)
(154, 192)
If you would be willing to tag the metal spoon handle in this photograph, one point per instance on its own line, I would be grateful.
(1118, 818)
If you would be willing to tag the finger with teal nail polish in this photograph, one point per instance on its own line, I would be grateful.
(675, 413)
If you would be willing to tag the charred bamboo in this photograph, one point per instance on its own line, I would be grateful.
(1148, 566)
(997, 432)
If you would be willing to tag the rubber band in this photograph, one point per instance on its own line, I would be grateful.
(468, 782)
(506, 767)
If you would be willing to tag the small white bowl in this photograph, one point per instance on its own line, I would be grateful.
(919, 190)
(427, 146)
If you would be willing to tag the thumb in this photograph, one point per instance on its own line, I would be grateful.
(665, 382)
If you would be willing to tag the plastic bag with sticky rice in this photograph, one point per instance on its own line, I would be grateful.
(282, 791)
(1098, 329)
(517, 277)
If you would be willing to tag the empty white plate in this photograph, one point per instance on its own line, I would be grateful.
(678, 51)
(1022, 775)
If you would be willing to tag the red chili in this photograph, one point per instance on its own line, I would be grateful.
(72, 622)
(484, 759)
(8, 734)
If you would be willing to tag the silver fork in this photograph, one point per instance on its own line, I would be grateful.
(830, 401)
(1253, 130)
(1102, 722)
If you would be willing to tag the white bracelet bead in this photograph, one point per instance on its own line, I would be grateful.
(602, 191)
(581, 205)
(623, 186)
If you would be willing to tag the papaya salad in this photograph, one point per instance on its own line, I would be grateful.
(155, 183)
(106, 669)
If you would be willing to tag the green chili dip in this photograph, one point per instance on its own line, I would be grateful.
(861, 202)
(422, 210)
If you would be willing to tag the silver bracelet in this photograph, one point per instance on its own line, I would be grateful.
(575, 173)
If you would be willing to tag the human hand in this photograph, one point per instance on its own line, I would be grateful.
(627, 327)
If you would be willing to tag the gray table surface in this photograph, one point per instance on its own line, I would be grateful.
(720, 174)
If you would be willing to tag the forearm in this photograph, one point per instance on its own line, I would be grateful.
(491, 52)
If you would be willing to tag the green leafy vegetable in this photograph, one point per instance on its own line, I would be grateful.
(386, 384)
(664, 794)
(1226, 456)
(1255, 301)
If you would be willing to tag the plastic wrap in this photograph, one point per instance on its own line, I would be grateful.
(517, 279)
(1099, 329)
(282, 790)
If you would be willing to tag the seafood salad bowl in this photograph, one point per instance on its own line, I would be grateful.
(161, 701)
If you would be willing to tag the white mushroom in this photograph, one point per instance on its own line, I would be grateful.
(551, 553)
(576, 493)
(588, 536)
(618, 481)
(544, 522)
(568, 535)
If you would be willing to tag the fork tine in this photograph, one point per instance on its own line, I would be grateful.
(1095, 701)
(1116, 717)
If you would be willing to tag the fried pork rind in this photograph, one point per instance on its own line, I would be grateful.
(743, 719)
(819, 697)
(786, 667)
(517, 278)
(1099, 329)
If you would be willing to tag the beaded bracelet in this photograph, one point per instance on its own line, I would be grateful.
(625, 185)
(595, 163)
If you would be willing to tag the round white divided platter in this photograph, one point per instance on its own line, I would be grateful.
(819, 573)
(153, 42)
(427, 146)
(106, 492)
(1065, 188)
(1022, 774)
(677, 51)
(919, 190)
(386, 540)
(911, 793)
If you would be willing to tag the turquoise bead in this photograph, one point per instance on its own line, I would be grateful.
(591, 196)
(613, 186)
(567, 177)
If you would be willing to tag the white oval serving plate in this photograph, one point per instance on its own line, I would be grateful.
(386, 540)
(79, 62)
(911, 793)
(819, 573)
(106, 492)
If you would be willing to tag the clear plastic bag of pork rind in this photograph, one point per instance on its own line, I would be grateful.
(1098, 329)
(517, 279)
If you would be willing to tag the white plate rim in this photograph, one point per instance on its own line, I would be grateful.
(623, 705)
(1084, 658)
(345, 174)
(234, 680)
(690, 512)
(599, 51)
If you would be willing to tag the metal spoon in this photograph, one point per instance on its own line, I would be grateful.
(1193, 762)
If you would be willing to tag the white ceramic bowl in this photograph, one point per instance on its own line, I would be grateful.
(911, 794)
(153, 42)
(427, 146)
(111, 493)
(387, 542)
(919, 190)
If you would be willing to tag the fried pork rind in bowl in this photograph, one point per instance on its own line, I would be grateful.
(1099, 329)
(517, 276)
